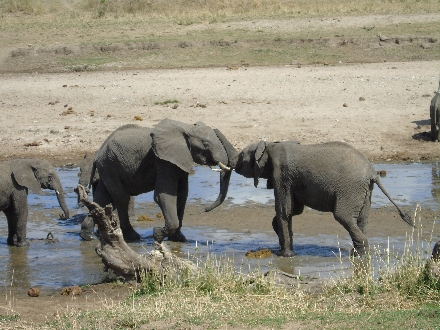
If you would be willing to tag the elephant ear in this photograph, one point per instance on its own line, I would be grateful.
(23, 172)
(170, 144)
(260, 160)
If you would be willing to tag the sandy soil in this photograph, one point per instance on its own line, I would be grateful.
(381, 108)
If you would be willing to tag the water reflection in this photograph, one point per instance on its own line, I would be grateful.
(69, 260)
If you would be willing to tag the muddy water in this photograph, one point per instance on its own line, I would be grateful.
(67, 260)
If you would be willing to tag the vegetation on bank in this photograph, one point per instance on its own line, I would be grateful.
(213, 10)
(86, 35)
(387, 290)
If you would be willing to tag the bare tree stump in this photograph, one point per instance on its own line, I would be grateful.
(118, 256)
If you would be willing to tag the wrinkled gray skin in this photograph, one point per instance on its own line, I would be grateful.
(85, 170)
(434, 112)
(329, 177)
(135, 160)
(16, 177)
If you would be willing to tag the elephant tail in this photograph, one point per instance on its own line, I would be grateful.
(405, 216)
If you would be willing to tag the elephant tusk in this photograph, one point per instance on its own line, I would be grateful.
(57, 192)
(217, 170)
(224, 167)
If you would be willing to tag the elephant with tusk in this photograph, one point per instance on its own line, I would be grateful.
(135, 160)
(16, 177)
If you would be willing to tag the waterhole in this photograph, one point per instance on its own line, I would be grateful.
(66, 260)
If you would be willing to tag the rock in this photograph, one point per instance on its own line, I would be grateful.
(73, 290)
(34, 292)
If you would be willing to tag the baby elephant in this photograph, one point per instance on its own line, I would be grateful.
(329, 177)
(16, 177)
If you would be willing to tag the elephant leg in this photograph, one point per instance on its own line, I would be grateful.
(17, 216)
(283, 208)
(102, 198)
(437, 124)
(362, 219)
(275, 225)
(182, 195)
(349, 222)
(131, 212)
(12, 218)
(434, 123)
(87, 229)
(165, 195)
(120, 203)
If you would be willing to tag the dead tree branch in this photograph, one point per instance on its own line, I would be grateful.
(118, 256)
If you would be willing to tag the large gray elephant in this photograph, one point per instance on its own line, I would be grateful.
(85, 171)
(16, 177)
(135, 160)
(329, 177)
(434, 112)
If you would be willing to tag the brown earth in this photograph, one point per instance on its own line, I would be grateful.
(380, 108)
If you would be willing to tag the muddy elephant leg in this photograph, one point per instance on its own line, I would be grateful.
(182, 196)
(165, 195)
(120, 203)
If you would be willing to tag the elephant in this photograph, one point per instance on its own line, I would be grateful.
(328, 177)
(135, 160)
(85, 180)
(16, 177)
(434, 112)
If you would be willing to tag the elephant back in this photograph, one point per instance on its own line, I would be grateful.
(127, 147)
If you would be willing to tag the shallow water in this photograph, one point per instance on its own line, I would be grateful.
(68, 260)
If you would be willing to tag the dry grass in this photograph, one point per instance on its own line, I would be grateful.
(213, 10)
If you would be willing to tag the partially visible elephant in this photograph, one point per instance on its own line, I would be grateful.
(16, 177)
(135, 160)
(434, 112)
(329, 177)
(85, 170)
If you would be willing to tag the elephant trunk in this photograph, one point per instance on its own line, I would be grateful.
(62, 202)
(225, 174)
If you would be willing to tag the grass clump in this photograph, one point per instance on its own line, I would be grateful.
(166, 102)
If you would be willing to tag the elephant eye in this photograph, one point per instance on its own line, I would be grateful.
(205, 144)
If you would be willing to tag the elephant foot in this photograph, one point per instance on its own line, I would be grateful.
(130, 235)
(10, 241)
(158, 234)
(87, 235)
(87, 228)
(358, 252)
(22, 243)
(285, 253)
(177, 237)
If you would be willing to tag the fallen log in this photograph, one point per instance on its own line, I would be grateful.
(118, 256)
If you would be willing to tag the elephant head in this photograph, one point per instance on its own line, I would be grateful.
(36, 174)
(252, 161)
(85, 169)
(185, 144)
